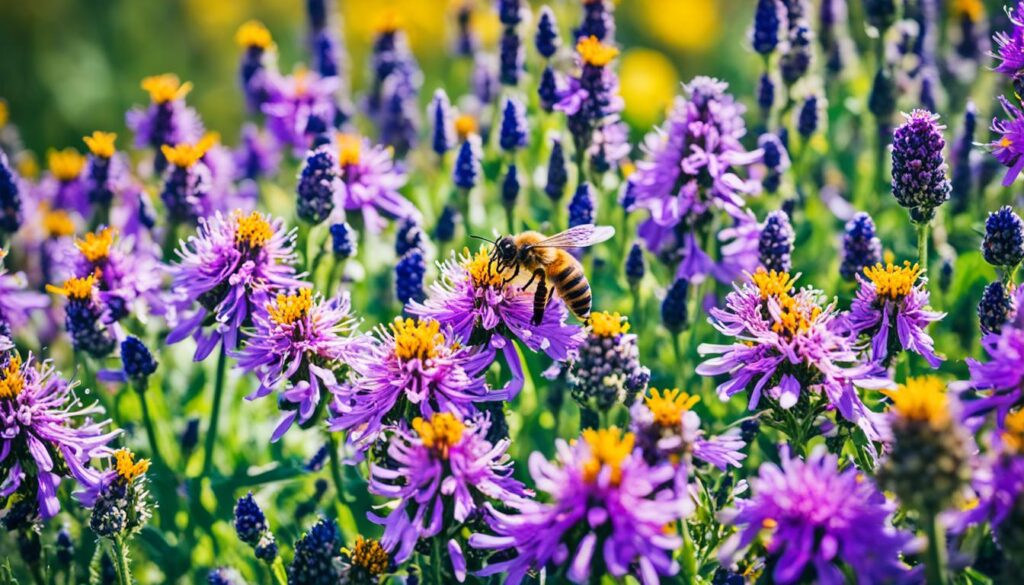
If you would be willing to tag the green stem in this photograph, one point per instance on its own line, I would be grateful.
(335, 462)
(677, 353)
(121, 565)
(278, 572)
(435, 561)
(935, 562)
(147, 421)
(211, 428)
(688, 562)
(922, 247)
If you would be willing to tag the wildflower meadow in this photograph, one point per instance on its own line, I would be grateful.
(513, 303)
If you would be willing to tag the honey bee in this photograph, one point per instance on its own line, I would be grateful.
(545, 258)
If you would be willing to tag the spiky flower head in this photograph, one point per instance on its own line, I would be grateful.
(929, 460)
(764, 35)
(10, 198)
(467, 166)
(674, 309)
(1003, 245)
(120, 506)
(547, 39)
(607, 370)
(318, 185)
(996, 307)
(919, 181)
(775, 244)
(316, 556)
(861, 247)
(365, 561)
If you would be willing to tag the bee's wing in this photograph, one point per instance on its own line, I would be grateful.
(580, 236)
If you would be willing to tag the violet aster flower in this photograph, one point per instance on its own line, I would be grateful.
(692, 167)
(232, 266)
(440, 466)
(999, 480)
(481, 308)
(86, 317)
(49, 434)
(592, 97)
(891, 307)
(819, 519)
(998, 384)
(606, 511)
(1010, 45)
(294, 348)
(65, 186)
(370, 183)
(188, 182)
(258, 51)
(167, 120)
(128, 272)
(17, 302)
(1010, 145)
(412, 363)
(787, 338)
(300, 107)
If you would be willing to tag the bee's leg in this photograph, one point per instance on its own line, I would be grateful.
(533, 277)
(541, 296)
(515, 273)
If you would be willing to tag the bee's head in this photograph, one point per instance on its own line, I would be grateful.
(505, 249)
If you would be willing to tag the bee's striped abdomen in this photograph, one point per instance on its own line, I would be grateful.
(574, 289)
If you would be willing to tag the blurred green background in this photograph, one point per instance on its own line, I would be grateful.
(73, 66)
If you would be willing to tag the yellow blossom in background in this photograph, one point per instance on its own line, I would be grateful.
(692, 25)
(648, 82)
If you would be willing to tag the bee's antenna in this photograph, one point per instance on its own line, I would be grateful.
(482, 238)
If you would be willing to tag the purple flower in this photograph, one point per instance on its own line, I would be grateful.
(439, 467)
(370, 183)
(299, 106)
(787, 338)
(1010, 146)
(606, 510)
(477, 304)
(296, 343)
(255, 156)
(128, 272)
(412, 364)
(818, 517)
(167, 120)
(999, 479)
(1010, 46)
(233, 265)
(999, 383)
(17, 303)
(691, 168)
(891, 307)
(47, 433)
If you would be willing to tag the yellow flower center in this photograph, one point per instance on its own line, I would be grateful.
(416, 339)
(369, 555)
(96, 246)
(594, 52)
(1013, 433)
(794, 317)
(772, 284)
(28, 166)
(5, 113)
(481, 270)
(56, 222)
(65, 164)
(288, 309)
(669, 406)
(101, 144)
(253, 34)
(465, 125)
(127, 467)
(76, 289)
(921, 399)
(11, 380)
(974, 10)
(349, 149)
(893, 282)
(442, 432)
(165, 88)
(605, 324)
(389, 22)
(182, 155)
(1005, 142)
(608, 447)
(769, 523)
(252, 230)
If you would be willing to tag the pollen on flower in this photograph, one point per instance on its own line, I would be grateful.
(76, 288)
(481, 270)
(1013, 431)
(96, 245)
(921, 399)
(165, 88)
(11, 380)
(416, 339)
(794, 317)
(288, 309)
(253, 34)
(608, 447)
(65, 164)
(101, 144)
(349, 149)
(466, 125)
(389, 22)
(185, 155)
(893, 282)
(594, 52)
(252, 230)
(669, 406)
(604, 324)
(56, 222)
(1005, 142)
(369, 555)
(127, 467)
(769, 523)
(440, 433)
(772, 283)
